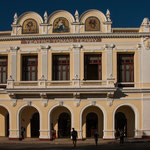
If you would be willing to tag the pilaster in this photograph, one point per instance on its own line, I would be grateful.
(13, 64)
(109, 59)
(44, 55)
(76, 61)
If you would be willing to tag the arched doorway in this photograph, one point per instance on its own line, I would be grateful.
(64, 125)
(92, 121)
(60, 122)
(125, 120)
(91, 124)
(4, 122)
(35, 125)
(29, 120)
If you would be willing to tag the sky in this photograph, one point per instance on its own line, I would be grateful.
(124, 13)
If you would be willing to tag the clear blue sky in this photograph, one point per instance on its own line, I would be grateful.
(124, 13)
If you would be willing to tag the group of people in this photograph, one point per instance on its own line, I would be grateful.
(74, 135)
(119, 133)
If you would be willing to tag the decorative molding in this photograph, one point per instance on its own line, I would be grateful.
(76, 77)
(45, 102)
(109, 46)
(77, 46)
(77, 102)
(61, 49)
(4, 51)
(45, 47)
(61, 103)
(109, 102)
(92, 49)
(42, 78)
(126, 48)
(146, 43)
(12, 95)
(76, 95)
(93, 103)
(93, 35)
(29, 103)
(43, 95)
(30, 50)
(13, 102)
(14, 50)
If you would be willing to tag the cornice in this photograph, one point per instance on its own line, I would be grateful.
(79, 35)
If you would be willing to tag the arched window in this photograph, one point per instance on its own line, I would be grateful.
(60, 25)
(92, 24)
(29, 27)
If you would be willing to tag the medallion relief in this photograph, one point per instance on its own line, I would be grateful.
(92, 24)
(60, 25)
(29, 26)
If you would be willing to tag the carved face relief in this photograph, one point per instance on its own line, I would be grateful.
(29, 27)
(61, 25)
(92, 24)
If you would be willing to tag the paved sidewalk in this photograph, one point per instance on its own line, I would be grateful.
(69, 141)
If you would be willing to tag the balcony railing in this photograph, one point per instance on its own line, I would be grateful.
(59, 84)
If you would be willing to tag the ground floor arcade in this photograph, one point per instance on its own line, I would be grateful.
(41, 121)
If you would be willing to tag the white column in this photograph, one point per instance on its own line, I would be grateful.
(109, 59)
(44, 54)
(76, 61)
(13, 65)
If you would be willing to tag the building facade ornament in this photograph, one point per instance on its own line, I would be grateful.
(93, 103)
(29, 103)
(145, 22)
(14, 102)
(15, 19)
(61, 103)
(109, 102)
(76, 16)
(109, 46)
(146, 43)
(77, 102)
(45, 17)
(45, 102)
(43, 95)
(108, 15)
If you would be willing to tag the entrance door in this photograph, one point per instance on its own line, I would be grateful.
(121, 122)
(35, 125)
(64, 125)
(91, 124)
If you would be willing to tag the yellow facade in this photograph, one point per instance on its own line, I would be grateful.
(46, 105)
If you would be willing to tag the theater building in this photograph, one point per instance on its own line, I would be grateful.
(61, 71)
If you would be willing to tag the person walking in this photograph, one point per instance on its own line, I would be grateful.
(96, 135)
(74, 135)
(22, 132)
(121, 136)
